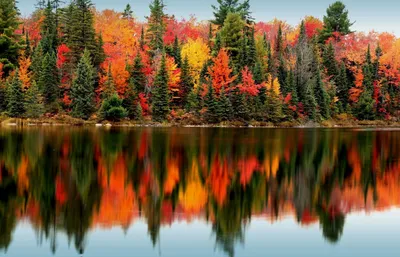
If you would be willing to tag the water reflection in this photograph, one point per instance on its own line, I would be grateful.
(72, 181)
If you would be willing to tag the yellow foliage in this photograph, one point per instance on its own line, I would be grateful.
(24, 73)
(273, 85)
(194, 198)
(197, 53)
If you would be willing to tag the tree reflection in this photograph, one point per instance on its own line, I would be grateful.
(70, 180)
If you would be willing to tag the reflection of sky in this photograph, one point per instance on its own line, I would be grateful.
(364, 235)
(379, 15)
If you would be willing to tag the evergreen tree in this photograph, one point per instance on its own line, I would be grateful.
(343, 87)
(82, 90)
(37, 60)
(33, 102)
(262, 94)
(321, 96)
(28, 49)
(81, 34)
(282, 74)
(49, 81)
(111, 109)
(258, 74)
(130, 101)
(217, 45)
(187, 83)
(309, 102)
(142, 41)
(3, 97)
(139, 112)
(109, 86)
(15, 96)
(364, 108)
(176, 52)
(232, 34)
(329, 61)
(40, 4)
(160, 97)
(271, 63)
(49, 30)
(226, 109)
(128, 13)
(291, 87)
(336, 20)
(273, 107)
(9, 40)
(213, 106)
(156, 25)
(138, 77)
(210, 36)
(231, 6)
(279, 42)
(252, 54)
(193, 103)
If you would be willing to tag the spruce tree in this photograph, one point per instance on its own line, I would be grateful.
(128, 13)
(15, 96)
(193, 103)
(252, 54)
(291, 86)
(130, 100)
(336, 20)
(142, 41)
(231, 6)
(258, 73)
(160, 106)
(232, 35)
(329, 61)
(213, 107)
(49, 81)
(217, 45)
(33, 102)
(176, 52)
(112, 109)
(321, 96)
(273, 108)
(37, 60)
(9, 40)
(109, 86)
(49, 30)
(364, 108)
(226, 109)
(28, 47)
(156, 25)
(309, 102)
(187, 83)
(138, 77)
(3, 96)
(82, 90)
(343, 87)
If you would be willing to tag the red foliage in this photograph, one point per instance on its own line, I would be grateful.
(144, 103)
(248, 86)
(220, 72)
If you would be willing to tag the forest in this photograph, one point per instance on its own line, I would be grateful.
(72, 60)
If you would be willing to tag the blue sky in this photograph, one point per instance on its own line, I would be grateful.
(380, 15)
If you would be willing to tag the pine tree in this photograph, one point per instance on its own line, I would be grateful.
(37, 60)
(252, 54)
(213, 107)
(49, 30)
(33, 102)
(49, 81)
(291, 87)
(142, 41)
(128, 13)
(82, 90)
(273, 108)
(3, 97)
(160, 97)
(130, 101)
(309, 102)
(81, 34)
(139, 112)
(336, 20)
(176, 52)
(210, 36)
(15, 96)
(232, 35)
(279, 42)
(258, 74)
(9, 40)
(282, 75)
(109, 86)
(193, 103)
(217, 45)
(364, 108)
(343, 87)
(28, 49)
(138, 77)
(226, 109)
(157, 27)
(187, 83)
(321, 96)
(329, 61)
(231, 6)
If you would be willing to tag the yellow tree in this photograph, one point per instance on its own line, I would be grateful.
(24, 73)
(197, 53)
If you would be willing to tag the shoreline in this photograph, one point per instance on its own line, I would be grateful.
(71, 122)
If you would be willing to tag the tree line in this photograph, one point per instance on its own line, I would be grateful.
(227, 69)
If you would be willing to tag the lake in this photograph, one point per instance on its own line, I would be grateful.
(199, 192)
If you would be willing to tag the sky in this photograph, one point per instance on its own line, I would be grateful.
(381, 16)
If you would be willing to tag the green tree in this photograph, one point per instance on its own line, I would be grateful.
(49, 81)
(343, 87)
(217, 44)
(364, 108)
(160, 106)
(273, 107)
(187, 82)
(193, 103)
(231, 6)
(3, 96)
(33, 102)
(232, 34)
(109, 86)
(321, 96)
(9, 40)
(213, 106)
(226, 109)
(130, 100)
(112, 109)
(336, 20)
(49, 30)
(329, 61)
(128, 13)
(82, 90)
(258, 73)
(37, 61)
(156, 25)
(15, 96)
(176, 52)
(138, 77)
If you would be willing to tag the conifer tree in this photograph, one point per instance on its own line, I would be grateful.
(187, 82)
(309, 102)
(109, 86)
(321, 96)
(336, 20)
(28, 49)
(279, 42)
(160, 106)
(130, 101)
(111, 109)
(273, 107)
(138, 77)
(329, 61)
(343, 87)
(139, 112)
(213, 106)
(231, 6)
(232, 35)
(82, 90)
(49, 81)
(210, 36)
(33, 102)
(142, 41)
(176, 52)
(193, 103)
(217, 45)
(15, 96)
(258, 73)
(252, 54)
(3, 97)
(128, 13)
(37, 60)
(157, 27)
(9, 40)
(226, 109)
(49, 30)
(291, 86)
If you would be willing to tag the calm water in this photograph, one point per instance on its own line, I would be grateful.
(199, 192)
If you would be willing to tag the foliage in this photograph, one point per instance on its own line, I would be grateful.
(160, 106)
(112, 109)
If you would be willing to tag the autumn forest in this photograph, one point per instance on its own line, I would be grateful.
(103, 65)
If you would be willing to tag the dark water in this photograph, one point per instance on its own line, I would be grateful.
(199, 192)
